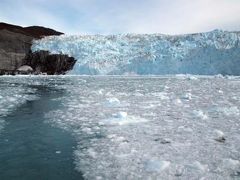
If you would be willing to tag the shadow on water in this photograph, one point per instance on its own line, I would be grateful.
(33, 150)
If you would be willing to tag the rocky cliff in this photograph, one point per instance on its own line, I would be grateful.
(43, 61)
(15, 51)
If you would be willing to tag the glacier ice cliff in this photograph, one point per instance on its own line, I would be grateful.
(215, 52)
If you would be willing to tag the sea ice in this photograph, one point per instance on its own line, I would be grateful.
(166, 141)
(156, 165)
(187, 96)
(200, 114)
(230, 111)
(219, 135)
(112, 102)
(122, 118)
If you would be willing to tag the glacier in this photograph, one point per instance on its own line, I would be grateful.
(209, 53)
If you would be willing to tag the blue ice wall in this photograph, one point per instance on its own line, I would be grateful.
(215, 52)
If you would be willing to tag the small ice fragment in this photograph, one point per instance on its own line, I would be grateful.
(156, 166)
(120, 139)
(219, 76)
(231, 163)
(111, 136)
(87, 130)
(231, 111)
(177, 102)
(120, 115)
(58, 152)
(166, 87)
(100, 91)
(192, 78)
(163, 140)
(200, 114)
(187, 96)
(98, 178)
(198, 166)
(219, 136)
(179, 171)
(161, 95)
(92, 153)
(112, 102)
(122, 118)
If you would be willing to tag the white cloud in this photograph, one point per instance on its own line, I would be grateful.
(135, 16)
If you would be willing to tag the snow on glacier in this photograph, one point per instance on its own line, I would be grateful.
(216, 52)
(157, 132)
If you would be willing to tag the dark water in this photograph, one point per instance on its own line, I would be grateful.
(29, 147)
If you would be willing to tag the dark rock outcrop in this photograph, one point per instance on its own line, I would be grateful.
(33, 31)
(15, 51)
(44, 62)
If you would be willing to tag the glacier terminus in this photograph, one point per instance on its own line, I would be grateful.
(210, 53)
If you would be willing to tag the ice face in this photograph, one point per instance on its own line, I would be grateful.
(215, 52)
(157, 131)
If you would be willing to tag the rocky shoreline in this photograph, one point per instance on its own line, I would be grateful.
(16, 56)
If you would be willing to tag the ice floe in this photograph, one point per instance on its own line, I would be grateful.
(122, 118)
(200, 114)
(156, 165)
(112, 102)
(150, 137)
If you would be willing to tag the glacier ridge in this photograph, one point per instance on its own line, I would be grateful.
(215, 52)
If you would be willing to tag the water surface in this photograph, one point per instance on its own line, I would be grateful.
(113, 127)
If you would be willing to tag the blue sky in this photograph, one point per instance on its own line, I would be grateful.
(124, 16)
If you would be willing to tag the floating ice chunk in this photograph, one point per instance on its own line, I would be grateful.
(156, 165)
(100, 91)
(99, 178)
(58, 152)
(121, 115)
(199, 166)
(112, 102)
(122, 118)
(111, 136)
(179, 170)
(231, 164)
(161, 95)
(219, 76)
(150, 106)
(120, 139)
(230, 111)
(138, 94)
(200, 114)
(177, 102)
(92, 153)
(219, 136)
(166, 87)
(163, 140)
(190, 77)
(187, 96)
(87, 130)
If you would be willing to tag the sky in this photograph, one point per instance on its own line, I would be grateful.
(124, 16)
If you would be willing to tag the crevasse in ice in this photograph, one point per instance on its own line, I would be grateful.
(215, 52)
